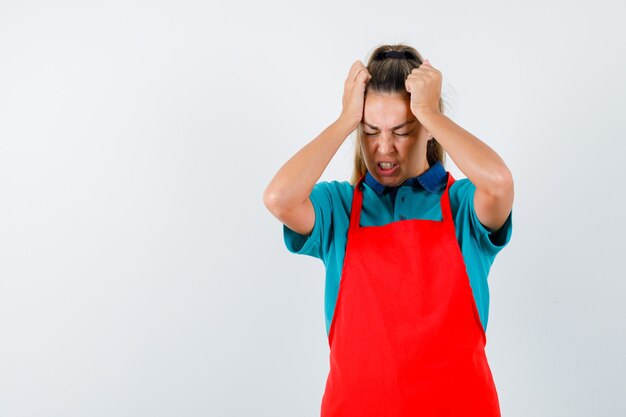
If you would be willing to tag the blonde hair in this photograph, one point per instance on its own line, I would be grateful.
(389, 76)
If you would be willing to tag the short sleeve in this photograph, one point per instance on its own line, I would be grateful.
(489, 241)
(312, 244)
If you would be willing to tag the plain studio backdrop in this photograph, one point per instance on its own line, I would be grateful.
(141, 274)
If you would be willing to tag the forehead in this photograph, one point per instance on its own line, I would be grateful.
(386, 111)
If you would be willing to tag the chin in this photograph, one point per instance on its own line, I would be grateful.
(390, 181)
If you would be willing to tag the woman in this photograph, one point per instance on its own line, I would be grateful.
(407, 249)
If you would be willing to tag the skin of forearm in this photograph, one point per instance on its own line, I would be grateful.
(481, 164)
(293, 182)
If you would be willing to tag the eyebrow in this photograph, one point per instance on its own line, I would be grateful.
(396, 127)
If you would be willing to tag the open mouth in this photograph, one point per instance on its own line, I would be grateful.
(386, 168)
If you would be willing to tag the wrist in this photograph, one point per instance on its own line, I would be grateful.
(427, 114)
(348, 124)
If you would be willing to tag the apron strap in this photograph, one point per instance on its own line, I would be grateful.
(446, 211)
(357, 199)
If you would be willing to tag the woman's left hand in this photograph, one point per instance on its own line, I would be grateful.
(424, 85)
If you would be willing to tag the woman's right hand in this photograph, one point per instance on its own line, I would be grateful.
(287, 196)
(354, 93)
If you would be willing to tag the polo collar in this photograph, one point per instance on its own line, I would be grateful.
(433, 180)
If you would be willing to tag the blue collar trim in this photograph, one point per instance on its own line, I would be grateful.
(433, 180)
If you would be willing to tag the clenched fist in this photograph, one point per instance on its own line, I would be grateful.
(424, 85)
(354, 93)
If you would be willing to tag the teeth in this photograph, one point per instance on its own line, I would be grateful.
(386, 165)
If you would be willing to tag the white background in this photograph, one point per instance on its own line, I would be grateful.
(141, 274)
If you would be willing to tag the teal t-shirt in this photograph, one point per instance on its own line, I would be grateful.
(332, 201)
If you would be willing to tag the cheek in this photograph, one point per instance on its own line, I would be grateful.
(410, 144)
(365, 146)
(367, 150)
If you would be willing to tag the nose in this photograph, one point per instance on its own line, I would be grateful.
(385, 145)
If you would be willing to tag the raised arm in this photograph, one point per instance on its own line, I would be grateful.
(287, 194)
(493, 199)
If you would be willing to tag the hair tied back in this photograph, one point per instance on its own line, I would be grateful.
(394, 54)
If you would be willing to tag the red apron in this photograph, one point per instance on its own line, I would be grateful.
(406, 338)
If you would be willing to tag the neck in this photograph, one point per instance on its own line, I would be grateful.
(423, 167)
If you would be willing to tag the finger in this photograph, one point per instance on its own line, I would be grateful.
(423, 72)
(361, 82)
(416, 76)
(354, 70)
(420, 70)
(426, 66)
(362, 75)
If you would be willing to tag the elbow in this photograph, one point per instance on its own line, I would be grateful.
(278, 199)
(502, 183)
(272, 201)
(269, 199)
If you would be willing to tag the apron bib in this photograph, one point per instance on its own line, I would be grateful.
(406, 338)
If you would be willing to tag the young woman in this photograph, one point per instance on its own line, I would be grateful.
(407, 249)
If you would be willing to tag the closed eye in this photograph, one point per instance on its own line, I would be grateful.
(397, 134)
